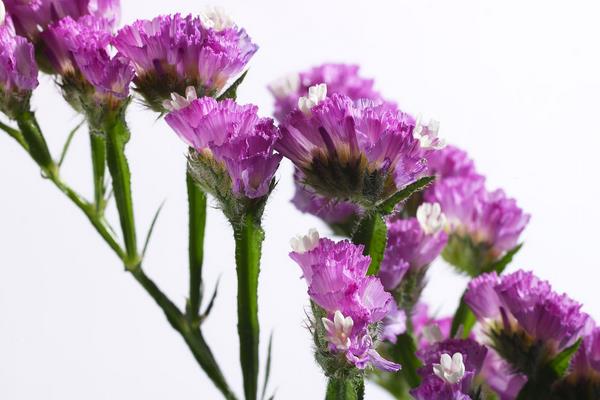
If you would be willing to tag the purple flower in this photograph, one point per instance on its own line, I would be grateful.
(353, 302)
(358, 151)
(31, 15)
(409, 247)
(522, 302)
(340, 78)
(171, 53)
(331, 211)
(586, 361)
(394, 324)
(80, 49)
(428, 329)
(237, 139)
(451, 162)
(490, 222)
(18, 70)
(501, 378)
(449, 368)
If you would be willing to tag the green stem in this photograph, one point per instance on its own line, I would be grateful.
(98, 148)
(36, 144)
(193, 337)
(97, 221)
(248, 240)
(197, 225)
(372, 233)
(117, 135)
(345, 389)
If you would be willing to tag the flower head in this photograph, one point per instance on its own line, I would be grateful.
(78, 51)
(18, 70)
(359, 151)
(340, 78)
(520, 308)
(171, 53)
(427, 328)
(31, 17)
(352, 301)
(449, 368)
(409, 248)
(231, 141)
(451, 162)
(501, 378)
(488, 223)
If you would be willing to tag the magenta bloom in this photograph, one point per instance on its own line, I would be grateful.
(501, 378)
(451, 162)
(449, 369)
(521, 301)
(236, 137)
(358, 151)
(171, 53)
(340, 78)
(354, 302)
(31, 15)
(408, 248)
(428, 329)
(490, 220)
(18, 70)
(587, 359)
(80, 48)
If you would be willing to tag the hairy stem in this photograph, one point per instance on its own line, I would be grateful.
(248, 242)
(197, 225)
(98, 148)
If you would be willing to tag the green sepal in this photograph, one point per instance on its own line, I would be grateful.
(463, 317)
(500, 265)
(388, 205)
(560, 363)
(231, 91)
(371, 232)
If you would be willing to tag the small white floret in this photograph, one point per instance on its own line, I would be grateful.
(451, 370)
(177, 102)
(304, 243)
(285, 86)
(316, 94)
(215, 18)
(339, 330)
(431, 218)
(432, 333)
(427, 134)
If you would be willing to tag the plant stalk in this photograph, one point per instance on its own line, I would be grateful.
(197, 225)
(248, 242)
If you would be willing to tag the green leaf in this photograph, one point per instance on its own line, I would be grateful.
(387, 206)
(196, 230)
(211, 303)
(231, 92)
(248, 242)
(151, 229)
(38, 149)
(372, 233)
(15, 134)
(117, 136)
(463, 317)
(268, 367)
(67, 144)
(500, 265)
(403, 352)
(98, 149)
(560, 363)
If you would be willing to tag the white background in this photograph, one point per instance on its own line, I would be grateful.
(514, 82)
